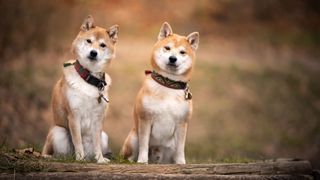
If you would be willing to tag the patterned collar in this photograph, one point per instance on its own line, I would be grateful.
(164, 81)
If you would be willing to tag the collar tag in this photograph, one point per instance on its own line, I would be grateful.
(101, 96)
(188, 94)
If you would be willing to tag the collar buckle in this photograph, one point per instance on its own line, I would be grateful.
(101, 85)
(88, 77)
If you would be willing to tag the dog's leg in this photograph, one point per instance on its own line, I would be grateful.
(180, 138)
(97, 142)
(62, 144)
(143, 137)
(58, 142)
(104, 143)
(47, 150)
(135, 147)
(100, 139)
(75, 131)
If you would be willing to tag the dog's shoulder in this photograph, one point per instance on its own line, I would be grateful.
(108, 80)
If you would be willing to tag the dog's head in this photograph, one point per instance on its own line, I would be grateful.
(94, 47)
(174, 55)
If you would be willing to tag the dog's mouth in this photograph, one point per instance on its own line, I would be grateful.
(92, 58)
(172, 66)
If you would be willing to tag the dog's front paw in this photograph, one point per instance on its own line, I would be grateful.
(79, 156)
(103, 160)
(142, 161)
(180, 161)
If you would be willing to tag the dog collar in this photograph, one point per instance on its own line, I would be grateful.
(169, 83)
(87, 76)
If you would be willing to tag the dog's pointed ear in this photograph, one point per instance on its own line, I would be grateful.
(193, 39)
(87, 24)
(165, 31)
(113, 33)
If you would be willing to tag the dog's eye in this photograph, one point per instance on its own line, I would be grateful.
(182, 52)
(102, 45)
(167, 48)
(89, 41)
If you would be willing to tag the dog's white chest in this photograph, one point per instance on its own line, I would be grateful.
(83, 100)
(166, 108)
(86, 108)
(89, 113)
(165, 112)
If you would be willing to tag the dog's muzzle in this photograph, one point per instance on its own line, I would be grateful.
(93, 55)
(172, 62)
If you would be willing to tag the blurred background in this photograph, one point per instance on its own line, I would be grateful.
(256, 82)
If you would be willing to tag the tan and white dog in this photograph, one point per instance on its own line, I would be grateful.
(163, 106)
(79, 98)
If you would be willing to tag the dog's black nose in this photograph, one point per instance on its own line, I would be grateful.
(93, 53)
(172, 59)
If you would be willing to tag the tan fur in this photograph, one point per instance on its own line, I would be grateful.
(147, 117)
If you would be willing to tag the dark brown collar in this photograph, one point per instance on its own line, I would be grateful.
(169, 83)
(87, 76)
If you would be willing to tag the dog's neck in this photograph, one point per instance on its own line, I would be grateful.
(95, 79)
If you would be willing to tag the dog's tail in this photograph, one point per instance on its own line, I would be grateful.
(130, 147)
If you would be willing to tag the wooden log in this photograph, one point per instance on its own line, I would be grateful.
(129, 176)
(261, 168)
(276, 169)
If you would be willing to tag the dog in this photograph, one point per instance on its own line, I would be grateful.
(163, 105)
(80, 97)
